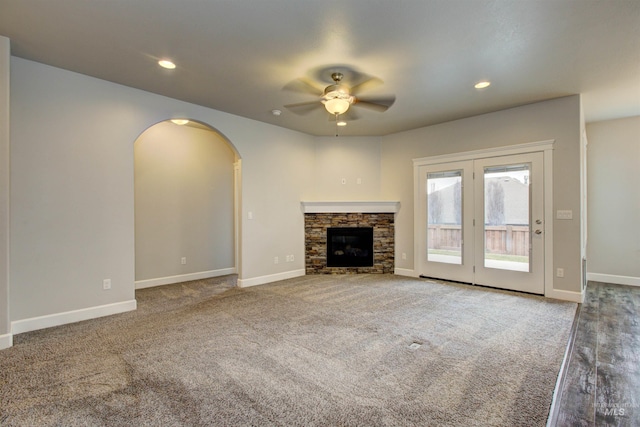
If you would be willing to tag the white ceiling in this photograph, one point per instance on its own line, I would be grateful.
(238, 55)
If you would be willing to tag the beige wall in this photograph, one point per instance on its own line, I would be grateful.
(276, 175)
(614, 200)
(354, 159)
(184, 202)
(72, 189)
(557, 119)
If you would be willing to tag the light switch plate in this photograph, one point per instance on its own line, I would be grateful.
(568, 214)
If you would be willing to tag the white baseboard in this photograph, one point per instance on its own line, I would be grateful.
(261, 280)
(6, 341)
(41, 322)
(149, 283)
(405, 272)
(560, 294)
(612, 278)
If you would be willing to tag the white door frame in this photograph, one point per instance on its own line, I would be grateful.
(546, 147)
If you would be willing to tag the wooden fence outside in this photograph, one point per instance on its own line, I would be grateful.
(499, 239)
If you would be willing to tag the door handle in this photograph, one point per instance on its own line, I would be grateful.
(538, 231)
(538, 221)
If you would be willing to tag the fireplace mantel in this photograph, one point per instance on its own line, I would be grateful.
(350, 207)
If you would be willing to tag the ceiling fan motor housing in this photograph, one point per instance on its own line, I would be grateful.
(337, 91)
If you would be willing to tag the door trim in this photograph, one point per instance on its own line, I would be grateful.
(546, 147)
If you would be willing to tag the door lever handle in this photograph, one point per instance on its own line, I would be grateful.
(538, 231)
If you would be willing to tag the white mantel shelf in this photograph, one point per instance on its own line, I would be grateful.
(351, 207)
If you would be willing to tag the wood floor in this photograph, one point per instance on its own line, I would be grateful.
(601, 386)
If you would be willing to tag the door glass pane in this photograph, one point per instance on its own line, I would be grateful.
(444, 219)
(506, 217)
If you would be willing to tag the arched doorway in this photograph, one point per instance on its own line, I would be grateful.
(186, 186)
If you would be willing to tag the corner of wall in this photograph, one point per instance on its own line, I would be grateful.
(5, 58)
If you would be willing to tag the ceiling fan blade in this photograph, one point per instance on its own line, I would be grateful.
(304, 85)
(380, 104)
(370, 83)
(303, 107)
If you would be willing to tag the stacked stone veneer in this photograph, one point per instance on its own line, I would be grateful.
(315, 230)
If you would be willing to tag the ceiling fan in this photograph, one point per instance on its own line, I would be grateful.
(337, 98)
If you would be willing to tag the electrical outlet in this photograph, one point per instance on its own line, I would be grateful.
(183, 261)
(275, 260)
(560, 272)
(344, 181)
(106, 284)
(291, 258)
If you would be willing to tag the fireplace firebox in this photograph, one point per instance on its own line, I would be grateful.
(350, 247)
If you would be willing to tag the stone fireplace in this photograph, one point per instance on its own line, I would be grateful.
(341, 226)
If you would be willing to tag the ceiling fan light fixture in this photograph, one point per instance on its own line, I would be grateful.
(165, 63)
(336, 105)
(483, 84)
(179, 122)
(336, 97)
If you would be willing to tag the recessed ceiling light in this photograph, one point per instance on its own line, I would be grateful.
(341, 123)
(165, 63)
(482, 84)
(180, 122)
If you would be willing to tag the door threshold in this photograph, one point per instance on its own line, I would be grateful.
(478, 285)
(445, 280)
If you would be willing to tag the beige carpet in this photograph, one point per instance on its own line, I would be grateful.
(311, 351)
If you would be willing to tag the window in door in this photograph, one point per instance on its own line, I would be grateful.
(507, 217)
(444, 217)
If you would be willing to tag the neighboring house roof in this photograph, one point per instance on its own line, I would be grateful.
(516, 201)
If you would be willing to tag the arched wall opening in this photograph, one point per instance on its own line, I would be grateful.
(186, 189)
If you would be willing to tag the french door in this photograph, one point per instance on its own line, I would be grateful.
(481, 222)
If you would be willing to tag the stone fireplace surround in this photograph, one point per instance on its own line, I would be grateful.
(321, 215)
